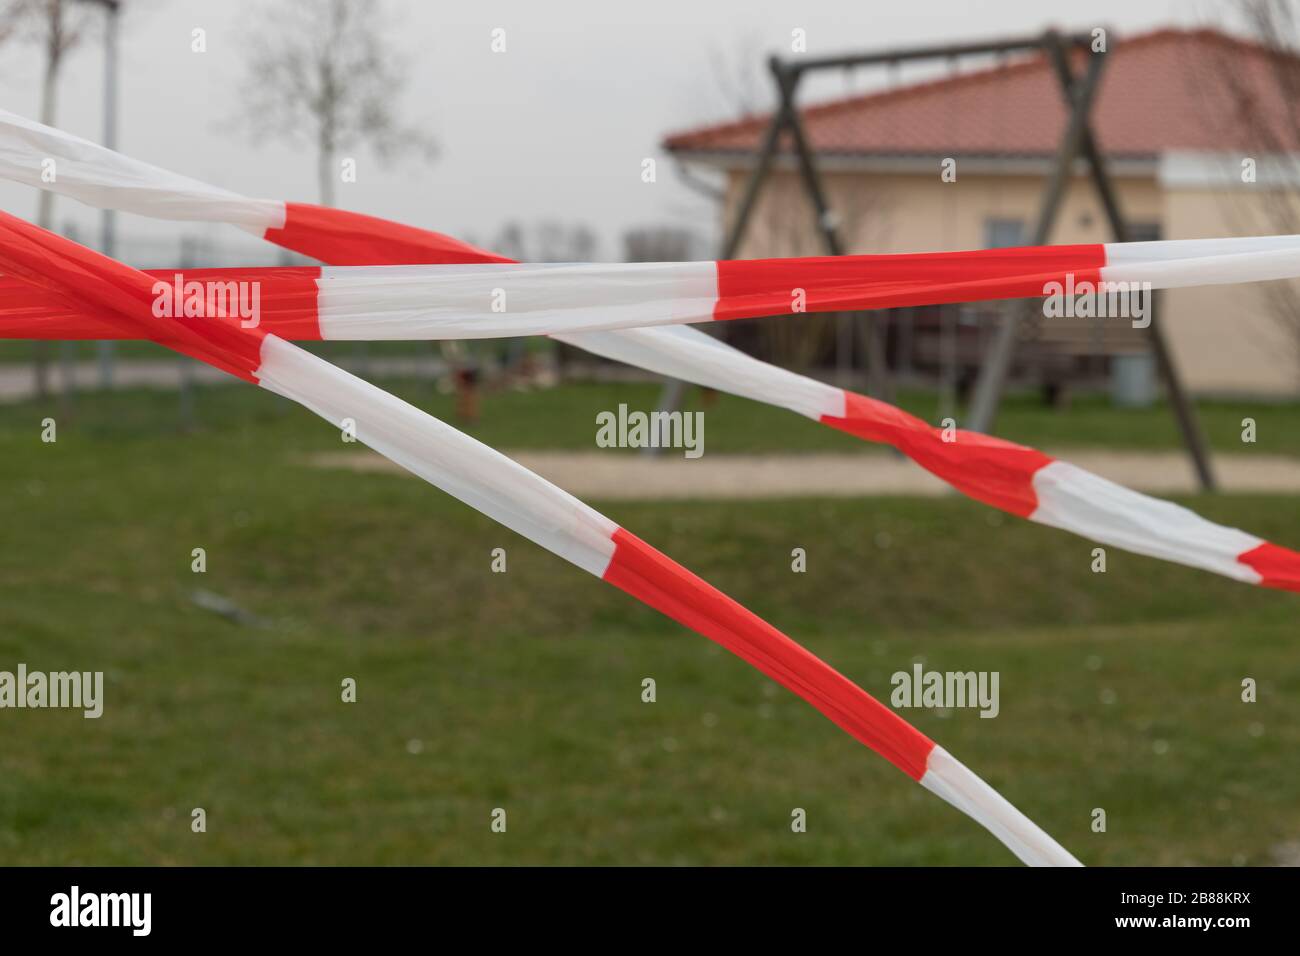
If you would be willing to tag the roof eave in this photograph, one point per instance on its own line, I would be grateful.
(730, 160)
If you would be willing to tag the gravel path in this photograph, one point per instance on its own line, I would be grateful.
(614, 476)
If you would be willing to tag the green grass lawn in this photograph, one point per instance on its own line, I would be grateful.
(522, 690)
(24, 351)
(565, 417)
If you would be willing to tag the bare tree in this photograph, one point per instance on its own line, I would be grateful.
(321, 71)
(1257, 107)
(56, 26)
(742, 87)
(740, 76)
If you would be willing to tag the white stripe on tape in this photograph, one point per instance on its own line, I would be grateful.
(1096, 508)
(101, 177)
(466, 469)
(490, 300)
(680, 351)
(1122, 252)
(949, 778)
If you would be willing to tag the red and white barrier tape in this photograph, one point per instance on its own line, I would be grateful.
(499, 299)
(524, 502)
(447, 292)
(1012, 477)
(454, 296)
(1009, 476)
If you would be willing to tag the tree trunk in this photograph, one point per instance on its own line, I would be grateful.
(325, 157)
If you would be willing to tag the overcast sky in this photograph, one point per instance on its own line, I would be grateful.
(554, 128)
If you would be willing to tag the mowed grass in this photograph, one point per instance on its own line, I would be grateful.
(565, 417)
(522, 690)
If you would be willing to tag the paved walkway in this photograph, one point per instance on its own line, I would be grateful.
(621, 476)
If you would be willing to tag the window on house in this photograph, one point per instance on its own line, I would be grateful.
(1001, 233)
(1143, 231)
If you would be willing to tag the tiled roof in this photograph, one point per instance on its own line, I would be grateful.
(1167, 90)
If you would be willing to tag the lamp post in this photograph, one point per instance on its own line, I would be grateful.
(108, 234)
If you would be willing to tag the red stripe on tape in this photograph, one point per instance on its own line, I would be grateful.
(87, 278)
(342, 238)
(996, 472)
(288, 296)
(1278, 567)
(755, 287)
(657, 580)
(287, 299)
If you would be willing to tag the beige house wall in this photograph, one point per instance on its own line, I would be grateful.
(1229, 338)
(912, 213)
(1225, 339)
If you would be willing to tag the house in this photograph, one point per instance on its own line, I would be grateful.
(1200, 138)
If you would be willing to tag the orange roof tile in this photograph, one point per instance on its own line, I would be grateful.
(1160, 91)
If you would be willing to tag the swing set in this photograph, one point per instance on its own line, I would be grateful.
(1077, 143)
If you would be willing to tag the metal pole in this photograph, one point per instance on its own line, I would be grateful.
(185, 364)
(997, 363)
(108, 220)
(68, 355)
